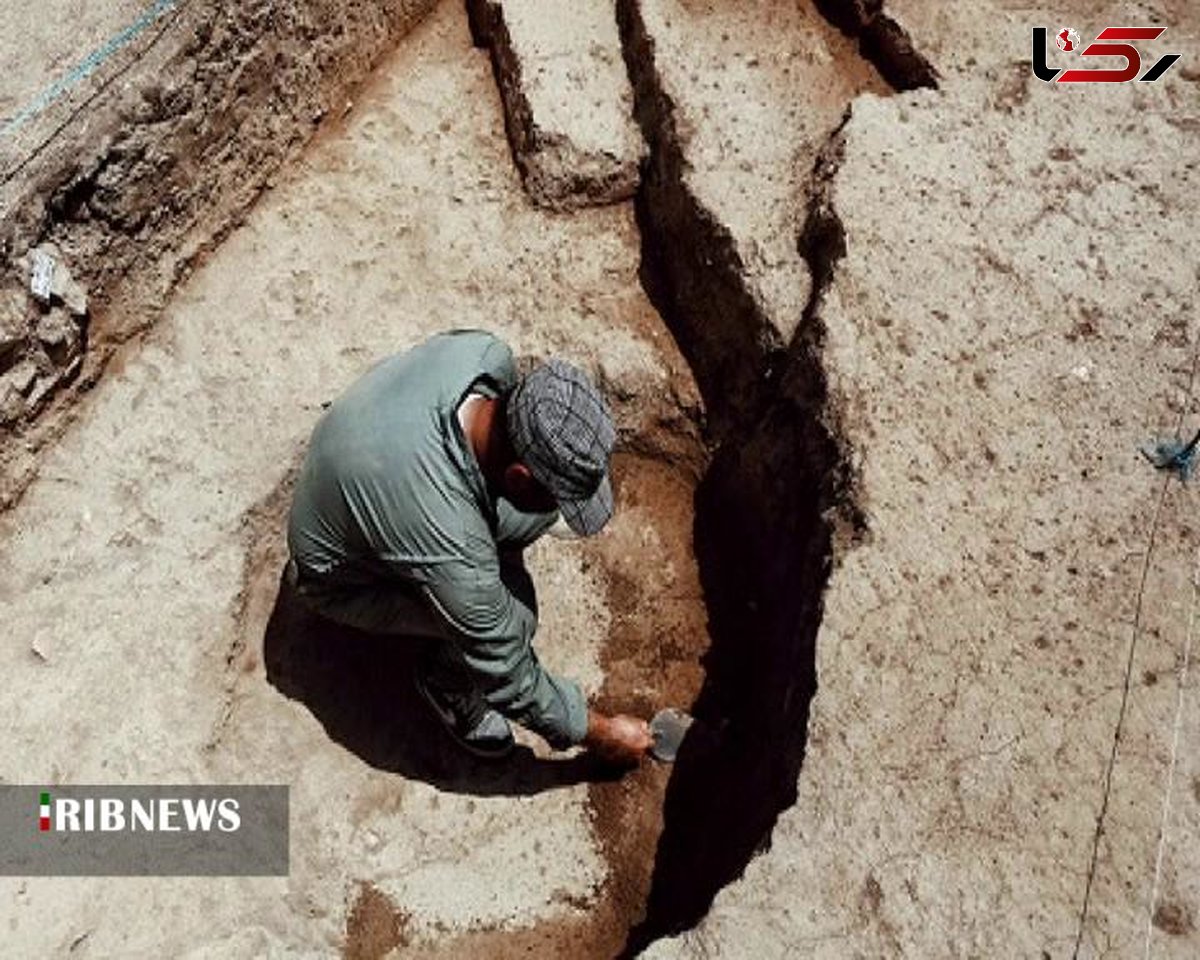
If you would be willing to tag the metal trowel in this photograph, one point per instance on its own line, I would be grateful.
(668, 728)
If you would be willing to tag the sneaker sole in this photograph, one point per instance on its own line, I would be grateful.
(447, 723)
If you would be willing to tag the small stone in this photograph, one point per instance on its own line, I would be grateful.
(41, 391)
(12, 404)
(59, 334)
(20, 377)
(41, 274)
(73, 296)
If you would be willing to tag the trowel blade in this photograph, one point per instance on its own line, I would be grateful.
(668, 728)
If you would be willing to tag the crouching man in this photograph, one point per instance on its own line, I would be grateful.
(422, 484)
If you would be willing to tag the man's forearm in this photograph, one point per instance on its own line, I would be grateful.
(548, 705)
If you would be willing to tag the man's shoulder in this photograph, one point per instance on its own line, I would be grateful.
(476, 352)
(434, 373)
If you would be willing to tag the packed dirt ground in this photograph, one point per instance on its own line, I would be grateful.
(884, 321)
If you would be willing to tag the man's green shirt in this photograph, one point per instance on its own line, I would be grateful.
(390, 492)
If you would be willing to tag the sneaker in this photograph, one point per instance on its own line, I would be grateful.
(475, 727)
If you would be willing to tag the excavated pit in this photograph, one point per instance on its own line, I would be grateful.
(651, 655)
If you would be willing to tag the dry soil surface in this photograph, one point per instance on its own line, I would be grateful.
(931, 338)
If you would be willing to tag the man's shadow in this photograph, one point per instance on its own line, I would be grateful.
(360, 687)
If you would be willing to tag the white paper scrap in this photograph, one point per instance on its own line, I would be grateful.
(41, 279)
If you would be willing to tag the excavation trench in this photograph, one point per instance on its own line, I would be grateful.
(132, 177)
(713, 573)
(777, 502)
(773, 508)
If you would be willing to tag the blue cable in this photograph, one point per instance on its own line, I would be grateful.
(90, 64)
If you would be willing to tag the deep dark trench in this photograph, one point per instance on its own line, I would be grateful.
(882, 41)
(764, 551)
(766, 510)
(763, 548)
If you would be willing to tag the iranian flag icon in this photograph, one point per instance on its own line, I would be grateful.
(44, 813)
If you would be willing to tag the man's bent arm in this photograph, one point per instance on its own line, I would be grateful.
(494, 630)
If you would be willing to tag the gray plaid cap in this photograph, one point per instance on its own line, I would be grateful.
(562, 431)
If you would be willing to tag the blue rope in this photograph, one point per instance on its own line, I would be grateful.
(90, 64)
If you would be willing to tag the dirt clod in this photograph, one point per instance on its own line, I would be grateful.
(375, 927)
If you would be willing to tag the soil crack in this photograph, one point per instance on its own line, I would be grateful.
(769, 513)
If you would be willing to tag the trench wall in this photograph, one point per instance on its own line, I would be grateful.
(132, 178)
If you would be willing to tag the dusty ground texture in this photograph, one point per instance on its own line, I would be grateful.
(736, 101)
(942, 666)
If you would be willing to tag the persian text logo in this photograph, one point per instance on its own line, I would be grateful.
(149, 815)
(1106, 44)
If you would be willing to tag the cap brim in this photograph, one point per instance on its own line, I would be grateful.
(588, 517)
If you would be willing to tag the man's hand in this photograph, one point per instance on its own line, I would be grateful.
(619, 739)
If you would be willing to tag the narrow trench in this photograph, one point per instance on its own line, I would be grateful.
(762, 544)
(778, 492)
(731, 631)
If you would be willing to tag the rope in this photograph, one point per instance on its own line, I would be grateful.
(1166, 814)
(1181, 455)
(90, 64)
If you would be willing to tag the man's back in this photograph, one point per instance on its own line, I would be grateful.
(389, 485)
